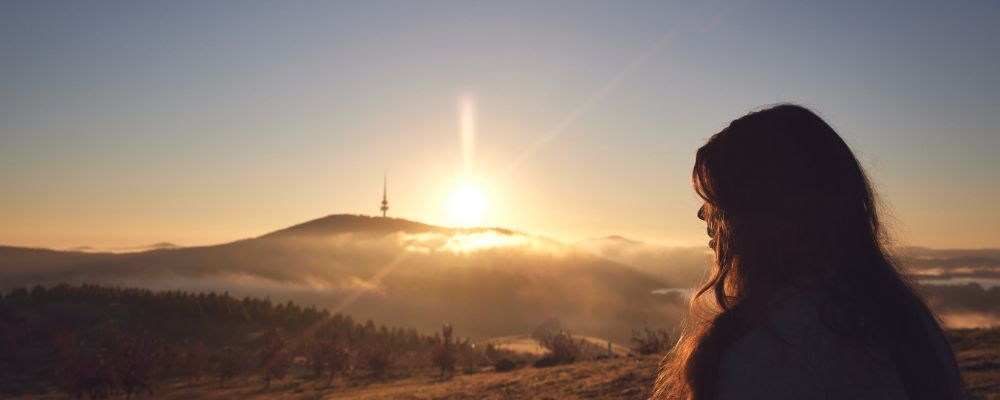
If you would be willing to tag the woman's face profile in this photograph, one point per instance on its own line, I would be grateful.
(708, 225)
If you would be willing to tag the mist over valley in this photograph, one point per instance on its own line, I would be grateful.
(488, 282)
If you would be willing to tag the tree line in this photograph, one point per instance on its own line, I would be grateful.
(94, 341)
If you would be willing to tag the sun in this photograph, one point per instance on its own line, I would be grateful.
(467, 205)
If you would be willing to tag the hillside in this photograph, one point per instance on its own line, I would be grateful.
(188, 345)
(617, 378)
(978, 352)
(487, 282)
(100, 341)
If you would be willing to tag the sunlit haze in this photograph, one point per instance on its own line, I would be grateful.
(131, 123)
(467, 206)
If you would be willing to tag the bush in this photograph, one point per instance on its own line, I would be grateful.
(504, 365)
(563, 349)
(650, 341)
(547, 361)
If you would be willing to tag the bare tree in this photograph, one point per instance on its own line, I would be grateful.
(443, 354)
(378, 356)
(192, 359)
(274, 360)
(232, 362)
(336, 358)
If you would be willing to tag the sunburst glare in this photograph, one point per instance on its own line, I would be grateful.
(467, 206)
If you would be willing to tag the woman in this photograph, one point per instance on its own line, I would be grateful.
(804, 301)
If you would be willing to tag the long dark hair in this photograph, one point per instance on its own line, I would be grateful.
(788, 204)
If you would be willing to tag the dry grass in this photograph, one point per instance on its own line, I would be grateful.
(618, 378)
(527, 344)
(613, 378)
(978, 353)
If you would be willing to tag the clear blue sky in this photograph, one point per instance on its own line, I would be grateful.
(124, 123)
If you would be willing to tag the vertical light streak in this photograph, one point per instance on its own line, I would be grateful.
(467, 126)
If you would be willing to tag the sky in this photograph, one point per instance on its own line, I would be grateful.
(125, 123)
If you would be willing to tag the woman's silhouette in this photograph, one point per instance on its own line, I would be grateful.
(804, 301)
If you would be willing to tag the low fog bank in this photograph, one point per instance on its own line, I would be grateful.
(678, 267)
(944, 264)
(962, 286)
(964, 306)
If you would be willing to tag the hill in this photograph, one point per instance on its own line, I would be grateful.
(357, 224)
(487, 282)
(99, 341)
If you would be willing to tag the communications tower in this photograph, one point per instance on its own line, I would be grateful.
(385, 203)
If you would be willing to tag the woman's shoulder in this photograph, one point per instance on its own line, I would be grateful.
(796, 355)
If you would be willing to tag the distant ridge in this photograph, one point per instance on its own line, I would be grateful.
(610, 239)
(395, 270)
(351, 223)
(118, 250)
(365, 224)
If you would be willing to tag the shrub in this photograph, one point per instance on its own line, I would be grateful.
(504, 365)
(650, 341)
(547, 361)
(563, 349)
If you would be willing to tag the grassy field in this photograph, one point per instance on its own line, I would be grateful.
(602, 379)
(527, 344)
(617, 378)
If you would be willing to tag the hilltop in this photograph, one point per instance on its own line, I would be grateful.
(349, 223)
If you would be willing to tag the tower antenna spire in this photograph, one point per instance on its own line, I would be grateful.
(385, 203)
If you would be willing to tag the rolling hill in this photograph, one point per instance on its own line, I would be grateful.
(488, 282)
